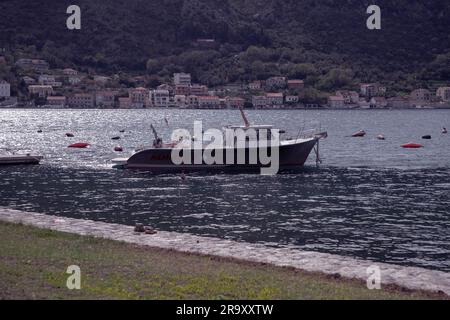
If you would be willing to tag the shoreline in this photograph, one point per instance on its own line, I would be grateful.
(411, 278)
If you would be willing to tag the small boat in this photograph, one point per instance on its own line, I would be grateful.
(360, 133)
(426, 137)
(381, 137)
(69, 135)
(444, 130)
(79, 145)
(16, 159)
(412, 145)
(39, 131)
(118, 149)
(122, 131)
(115, 138)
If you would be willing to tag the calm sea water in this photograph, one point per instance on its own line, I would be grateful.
(369, 199)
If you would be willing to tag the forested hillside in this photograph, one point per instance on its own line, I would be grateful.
(325, 42)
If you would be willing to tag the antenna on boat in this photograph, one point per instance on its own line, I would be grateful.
(247, 124)
(154, 131)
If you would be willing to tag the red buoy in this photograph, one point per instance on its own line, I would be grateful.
(118, 149)
(79, 145)
(412, 145)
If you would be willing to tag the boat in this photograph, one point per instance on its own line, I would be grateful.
(412, 145)
(360, 133)
(292, 152)
(444, 130)
(18, 159)
(381, 137)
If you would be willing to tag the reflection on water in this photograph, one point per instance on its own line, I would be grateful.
(371, 199)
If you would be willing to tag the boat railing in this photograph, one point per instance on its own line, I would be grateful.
(311, 133)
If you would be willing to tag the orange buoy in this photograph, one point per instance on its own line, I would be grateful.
(118, 149)
(79, 145)
(412, 145)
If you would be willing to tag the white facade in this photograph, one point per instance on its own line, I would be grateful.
(160, 98)
(183, 79)
(443, 93)
(5, 89)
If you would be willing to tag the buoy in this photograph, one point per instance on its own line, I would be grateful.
(118, 149)
(79, 145)
(426, 137)
(381, 137)
(69, 135)
(115, 138)
(412, 145)
(360, 133)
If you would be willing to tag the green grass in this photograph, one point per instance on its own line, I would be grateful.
(33, 263)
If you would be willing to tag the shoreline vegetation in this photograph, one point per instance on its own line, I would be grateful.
(34, 261)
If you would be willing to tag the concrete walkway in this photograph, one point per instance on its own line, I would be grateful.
(409, 277)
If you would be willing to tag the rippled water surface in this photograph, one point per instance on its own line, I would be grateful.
(369, 199)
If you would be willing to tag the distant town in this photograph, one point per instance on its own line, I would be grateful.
(69, 88)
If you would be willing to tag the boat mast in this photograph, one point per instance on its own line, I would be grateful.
(247, 124)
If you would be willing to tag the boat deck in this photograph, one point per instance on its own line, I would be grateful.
(19, 159)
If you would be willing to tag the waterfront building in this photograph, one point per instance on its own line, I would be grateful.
(208, 102)
(105, 98)
(259, 101)
(192, 101)
(160, 98)
(180, 100)
(140, 97)
(40, 90)
(336, 102)
(5, 89)
(275, 99)
(378, 102)
(292, 99)
(398, 102)
(420, 97)
(81, 100)
(182, 79)
(234, 102)
(350, 97)
(443, 94)
(124, 102)
(56, 101)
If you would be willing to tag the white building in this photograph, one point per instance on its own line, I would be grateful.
(5, 89)
(443, 94)
(160, 98)
(336, 101)
(180, 100)
(182, 79)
